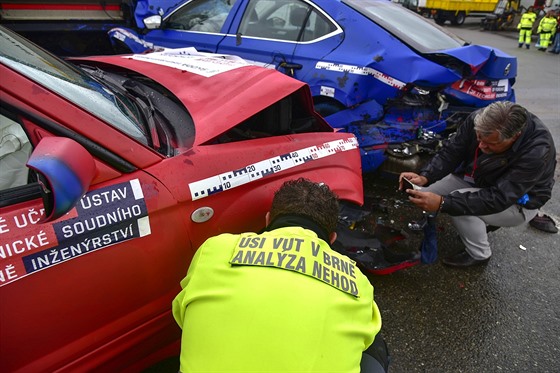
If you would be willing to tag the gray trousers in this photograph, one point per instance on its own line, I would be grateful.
(472, 229)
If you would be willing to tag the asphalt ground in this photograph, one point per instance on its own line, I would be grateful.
(501, 317)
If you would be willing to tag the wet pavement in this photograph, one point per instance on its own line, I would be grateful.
(498, 317)
(501, 317)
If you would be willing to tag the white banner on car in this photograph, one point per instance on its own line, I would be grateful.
(193, 61)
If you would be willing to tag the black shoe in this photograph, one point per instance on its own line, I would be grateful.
(520, 45)
(528, 46)
(544, 223)
(463, 260)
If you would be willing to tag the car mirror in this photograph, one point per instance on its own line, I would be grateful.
(152, 22)
(66, 170)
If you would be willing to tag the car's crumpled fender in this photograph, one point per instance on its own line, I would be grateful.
(491, 62)
(423, 70)
(483, 62)
(492, 76)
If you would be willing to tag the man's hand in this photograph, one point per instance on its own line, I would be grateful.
(427, 201)
(413, 178)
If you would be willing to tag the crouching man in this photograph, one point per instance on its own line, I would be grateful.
(280, 301)
(498, 170)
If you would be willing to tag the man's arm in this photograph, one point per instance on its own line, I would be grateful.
(179, 305)
(452, 154)
(511, 186)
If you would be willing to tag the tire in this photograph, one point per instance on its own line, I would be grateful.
(439, 19)
(459, 19)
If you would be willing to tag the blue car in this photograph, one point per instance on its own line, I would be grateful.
(391, 77)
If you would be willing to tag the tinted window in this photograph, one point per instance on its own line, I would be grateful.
(408, 26)
(290, 20)
(203, 15)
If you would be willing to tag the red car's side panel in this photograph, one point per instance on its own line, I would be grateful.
(72, 299)
(69, 311)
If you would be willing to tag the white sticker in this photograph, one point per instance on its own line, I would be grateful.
(189, 59)
(361, 71)
(327, 91)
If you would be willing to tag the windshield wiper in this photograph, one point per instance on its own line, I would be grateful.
(149, 114)
(146, 105)
(120, 88)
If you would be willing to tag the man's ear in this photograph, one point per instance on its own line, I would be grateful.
(267, 218)
(332, 237)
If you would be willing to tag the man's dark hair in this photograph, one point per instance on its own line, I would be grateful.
(503, 116)
(312, 200)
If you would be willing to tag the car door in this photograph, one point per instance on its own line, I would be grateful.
(100, 278)
(288, 35)
(197, 23)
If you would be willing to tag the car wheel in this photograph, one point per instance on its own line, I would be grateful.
(326, 108)
(439, 20)
(459, 19)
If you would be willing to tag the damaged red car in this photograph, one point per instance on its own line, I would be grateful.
(114, 169)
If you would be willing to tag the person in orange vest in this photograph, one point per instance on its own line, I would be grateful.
(525, 27)
(546, 30)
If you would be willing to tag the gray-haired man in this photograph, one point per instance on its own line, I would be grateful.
(498, 170)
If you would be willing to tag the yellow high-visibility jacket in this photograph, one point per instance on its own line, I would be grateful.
(527, 20)
(548, 24)
(280, 301)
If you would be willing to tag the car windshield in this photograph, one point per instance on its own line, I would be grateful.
(411, 28)
(71, 83)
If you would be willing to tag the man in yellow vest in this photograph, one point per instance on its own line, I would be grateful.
(525, 27)
(282, 300)
(546, 30)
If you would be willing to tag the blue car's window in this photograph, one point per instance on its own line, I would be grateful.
(408, 26)
(71, 83)
(289, 20)
(203, 15)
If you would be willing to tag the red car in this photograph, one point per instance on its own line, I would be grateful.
(113, 170)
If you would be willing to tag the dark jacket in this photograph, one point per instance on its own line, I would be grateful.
(526, 168)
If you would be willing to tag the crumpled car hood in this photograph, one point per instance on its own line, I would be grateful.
(202, 84)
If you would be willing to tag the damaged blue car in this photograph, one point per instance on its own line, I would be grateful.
(393, 78)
